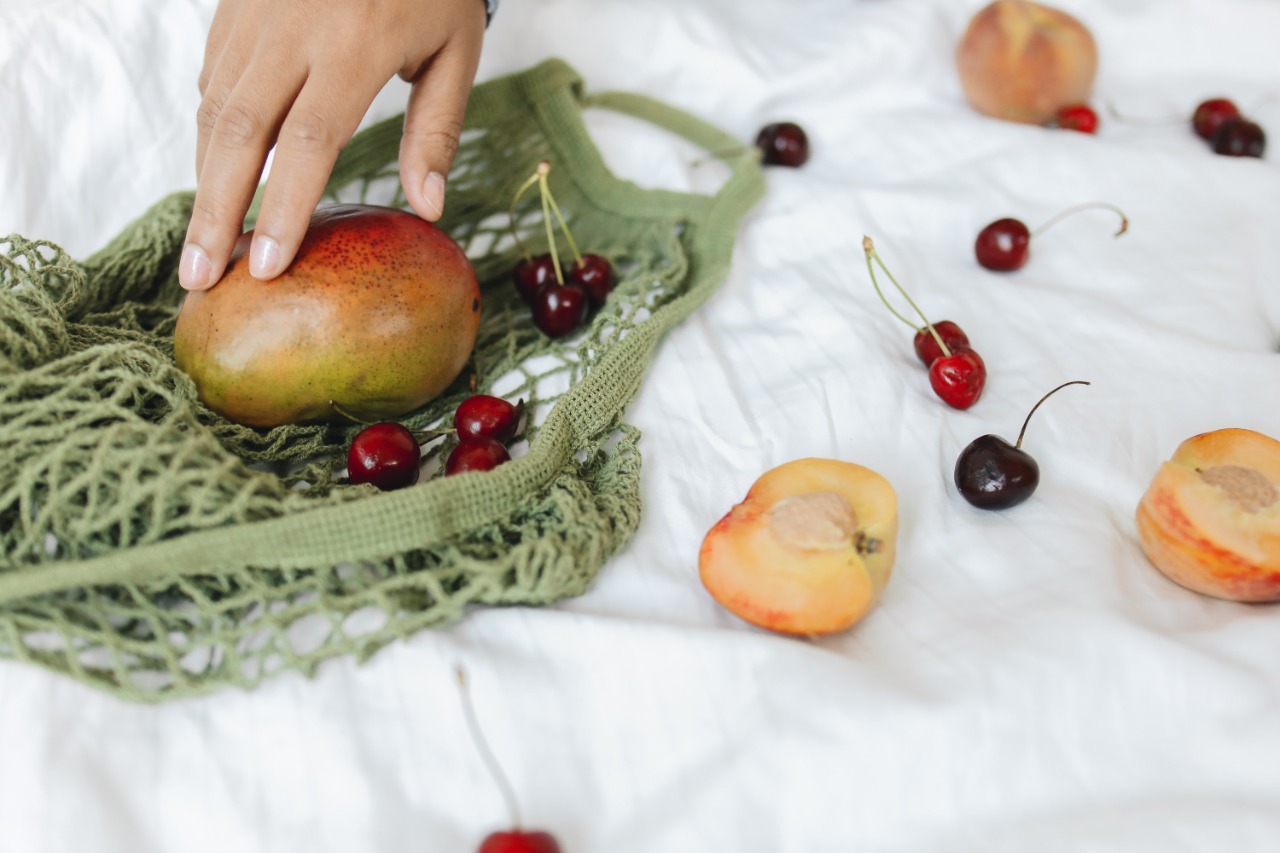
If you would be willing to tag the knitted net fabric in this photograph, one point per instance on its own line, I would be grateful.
(155, 550)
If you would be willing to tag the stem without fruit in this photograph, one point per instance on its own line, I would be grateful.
(1124, 220)
(564, 227)
(334, 405)
(1023, 431)
(543, 168)
(511, 216)
(486, 754)
(869, 248)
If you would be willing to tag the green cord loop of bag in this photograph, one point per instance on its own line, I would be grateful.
(155, 550)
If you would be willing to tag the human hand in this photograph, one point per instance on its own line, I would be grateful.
(300, 75)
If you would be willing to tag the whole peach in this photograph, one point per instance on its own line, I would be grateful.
(1022, 61)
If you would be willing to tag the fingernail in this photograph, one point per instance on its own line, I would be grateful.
(194, 269)
(264, 257)
(433, 193)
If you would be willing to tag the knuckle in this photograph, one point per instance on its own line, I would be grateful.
(444, 136)
(239, 125)
(207, 114)
(310, 131)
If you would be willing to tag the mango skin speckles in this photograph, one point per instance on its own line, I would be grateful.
(379, 311)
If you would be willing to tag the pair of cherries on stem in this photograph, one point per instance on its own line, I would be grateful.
(388, 455)
(1219, 122)
(957, 373)
(1005, 244)
(559, 306)
(991, 473)
(517, 839)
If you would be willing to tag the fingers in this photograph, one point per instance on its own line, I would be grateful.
(320, 122)
(433, 124)
(240, 133)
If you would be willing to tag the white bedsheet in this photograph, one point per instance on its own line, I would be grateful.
(1028, 681)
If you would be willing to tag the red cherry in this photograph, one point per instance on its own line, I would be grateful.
(595, 275)
(531, 273)
(559, 309)
(783, 144)
(1078, 117)
(1212, 113)
(385, 454)
(958, 378)
(1238, 137)
(476, 454)
(483, 416)
(1003, 245)
(926, 346)
(517, 841)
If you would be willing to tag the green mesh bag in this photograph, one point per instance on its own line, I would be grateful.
(155, 550)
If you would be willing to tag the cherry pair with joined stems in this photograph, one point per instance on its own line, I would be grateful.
(559, 303)
(957, 373)
(1219, 122)
(388, 455)
(1005, 245)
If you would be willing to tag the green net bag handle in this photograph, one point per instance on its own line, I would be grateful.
(170, 615)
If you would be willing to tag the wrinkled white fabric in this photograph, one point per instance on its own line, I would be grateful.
(1028, 681)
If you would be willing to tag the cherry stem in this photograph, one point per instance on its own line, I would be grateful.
(564, 226)
(334, 405)
(1124, 220)
(427, 434)
(870, 249)
(1023, 431)
(543, 190)
(1147, 120)
(486, 754)
(511, 216)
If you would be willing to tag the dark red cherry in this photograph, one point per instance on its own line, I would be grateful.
(1003, 245)
(1210, 114)
(483, 416)
(1078, 117)
(991, 473)
(517, 841)
(476, 454)
(559, 309)
(783, 144)
(926, 346)
(385, 454)
(958, 379)
(595, 274)
(1239, 137)
(531, 273)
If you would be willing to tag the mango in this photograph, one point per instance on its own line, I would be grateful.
(378, 312)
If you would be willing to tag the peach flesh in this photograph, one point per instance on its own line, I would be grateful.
(808, 551)
(1210, 519)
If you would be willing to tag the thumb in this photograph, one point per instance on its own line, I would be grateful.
(433, 128)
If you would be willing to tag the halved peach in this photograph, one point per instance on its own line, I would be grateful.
(807, 551)
(1211, 518)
